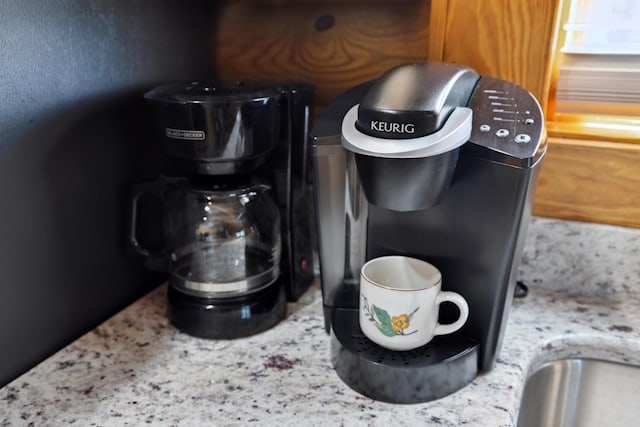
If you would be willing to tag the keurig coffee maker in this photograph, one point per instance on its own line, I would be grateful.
(235, 204)
(434, 162)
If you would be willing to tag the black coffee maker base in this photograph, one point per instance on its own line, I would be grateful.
(443, 366)
(227, 318)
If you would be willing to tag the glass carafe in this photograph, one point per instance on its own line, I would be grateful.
(219, 240)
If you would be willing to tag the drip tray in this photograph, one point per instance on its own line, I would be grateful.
(444, 365)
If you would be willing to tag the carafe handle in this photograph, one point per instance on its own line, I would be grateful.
(154, 258)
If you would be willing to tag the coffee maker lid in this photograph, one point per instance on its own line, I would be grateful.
(412, 111)
(415, 100)
(209, 93)
(453, 134)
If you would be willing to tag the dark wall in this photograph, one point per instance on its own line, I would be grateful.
(74, 134)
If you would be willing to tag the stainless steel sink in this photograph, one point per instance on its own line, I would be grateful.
(581, 393)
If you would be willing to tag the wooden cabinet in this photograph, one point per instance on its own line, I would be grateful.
(595, 181)
(334, 44)
(508, 39)
(338, 44)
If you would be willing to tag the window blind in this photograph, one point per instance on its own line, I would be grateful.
(599, 69)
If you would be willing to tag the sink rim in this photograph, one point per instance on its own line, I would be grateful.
(568, 391)
(591, 344)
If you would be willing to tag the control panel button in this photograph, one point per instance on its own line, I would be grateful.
(502, 133)
(528, 121)
(523, 138)
(485, 128)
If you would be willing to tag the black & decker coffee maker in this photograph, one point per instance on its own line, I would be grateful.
(434, 162)
(235, 203)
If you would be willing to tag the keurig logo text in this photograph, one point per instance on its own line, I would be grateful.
(392, 127)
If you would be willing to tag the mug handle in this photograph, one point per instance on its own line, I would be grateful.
(458, 300)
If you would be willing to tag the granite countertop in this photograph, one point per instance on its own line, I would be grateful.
(135, 368)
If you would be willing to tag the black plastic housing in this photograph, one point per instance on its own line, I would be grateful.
(226, 318)
(212, 129)
(406, 184)
(254, 132)
(437, 369)
(475, 235)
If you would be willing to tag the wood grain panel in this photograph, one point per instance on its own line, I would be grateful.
(590, 181)
(437, 29)
(334, 44)
(508, 39)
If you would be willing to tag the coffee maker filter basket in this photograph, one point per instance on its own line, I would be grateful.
(407, 174)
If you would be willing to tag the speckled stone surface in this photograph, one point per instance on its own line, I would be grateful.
(136, 369)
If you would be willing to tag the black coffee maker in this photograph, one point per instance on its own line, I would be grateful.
(235, 203)
(434, 162)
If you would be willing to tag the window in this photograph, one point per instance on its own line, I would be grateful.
(596, 79)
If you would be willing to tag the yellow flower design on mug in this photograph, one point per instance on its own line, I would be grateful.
(399, 323)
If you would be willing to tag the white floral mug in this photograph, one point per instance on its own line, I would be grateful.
(400, 299)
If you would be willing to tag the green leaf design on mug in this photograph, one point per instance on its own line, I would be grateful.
(382, 315)
(386, 324)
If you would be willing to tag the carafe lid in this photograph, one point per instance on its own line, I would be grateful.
(209, 92)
